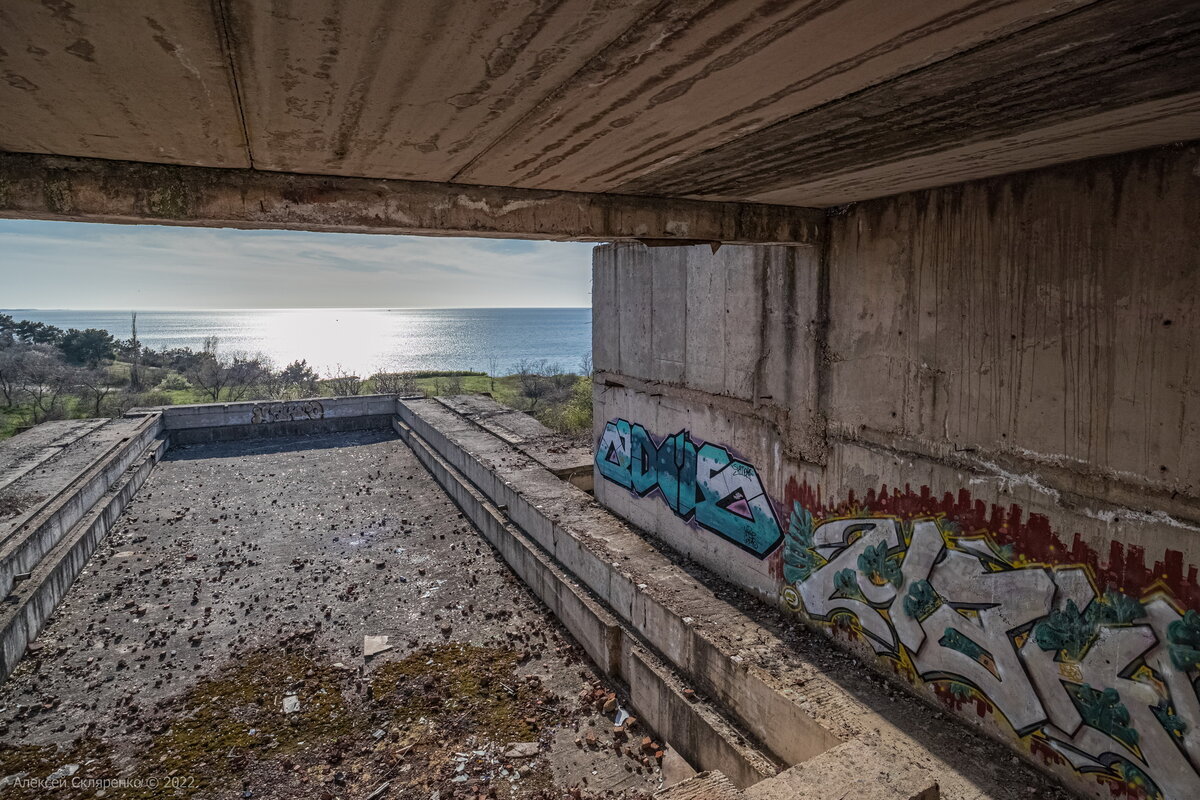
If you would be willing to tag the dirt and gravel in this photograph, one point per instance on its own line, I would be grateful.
(215, 646)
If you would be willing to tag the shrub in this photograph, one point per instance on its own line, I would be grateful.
(174, 383)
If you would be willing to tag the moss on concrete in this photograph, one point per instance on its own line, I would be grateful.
(462, 689)
(236, 717)
(25, 769)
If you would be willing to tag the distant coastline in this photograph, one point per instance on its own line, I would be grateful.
(358, 340)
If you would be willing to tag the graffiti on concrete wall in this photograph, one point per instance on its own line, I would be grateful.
(702, 483)
(1102, 678)
(1093, 665)
(287, 412)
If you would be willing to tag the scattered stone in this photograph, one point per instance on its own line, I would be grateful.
(65, 771)
(522, 750)
(374, 645)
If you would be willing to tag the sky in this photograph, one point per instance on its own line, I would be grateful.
(73, 265)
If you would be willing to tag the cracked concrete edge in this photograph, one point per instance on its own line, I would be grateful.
(36, 599)
(657, 696)
(26, 545)
(714, 644)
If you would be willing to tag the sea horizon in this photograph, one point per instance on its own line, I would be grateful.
(356, 340)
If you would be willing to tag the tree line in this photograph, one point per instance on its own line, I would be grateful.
(49, 373)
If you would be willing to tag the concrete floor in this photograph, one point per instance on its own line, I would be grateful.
(245, 574)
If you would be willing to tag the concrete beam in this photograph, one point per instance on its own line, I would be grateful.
(92, 190)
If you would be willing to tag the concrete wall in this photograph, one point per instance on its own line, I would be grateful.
(960, 438)
(209, 422)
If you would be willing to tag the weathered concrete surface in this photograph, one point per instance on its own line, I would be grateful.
(705, 786)
(212, 422)
(563, 455)
(88, 190)
(30, 603)
(741, 324)
(146, 84)
(1003, 377)
(657, 696)
(1049, 317)
(790, 688)
(20, 454)
(417, 93)
(853, 769)
(790, 102)
(278, 557)
(683, 83)
(65, 487)
(1114, 64)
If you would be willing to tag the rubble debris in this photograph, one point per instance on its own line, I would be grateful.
(374, 645)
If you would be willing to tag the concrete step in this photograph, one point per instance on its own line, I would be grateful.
(715, 646)
(31, 602)
(859, 769)
(64, 487)
(658, 695)
(560, 454)
(21, 454)
(704, 786)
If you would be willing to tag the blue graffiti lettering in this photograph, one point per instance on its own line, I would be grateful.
(705, 484)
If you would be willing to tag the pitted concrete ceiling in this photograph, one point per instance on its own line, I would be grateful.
(797, 103)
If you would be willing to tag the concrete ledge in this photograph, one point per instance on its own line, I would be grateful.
(557, 453)
(704, 786)
(25, 546)
(223, 422)
(24, 453)
(710, 642)
(854, 769)
(34, 600)
(87, 189)
(233, 433)
(657, 696)
(212, 415)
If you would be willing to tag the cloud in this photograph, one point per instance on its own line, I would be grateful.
(82, 265)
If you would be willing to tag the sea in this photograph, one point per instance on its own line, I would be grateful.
(360, 341)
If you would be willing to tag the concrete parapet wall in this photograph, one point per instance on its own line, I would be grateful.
(35, 599)
(661, 603)
(960, 443)
(657, 697)
(25, 546)
(209, 422)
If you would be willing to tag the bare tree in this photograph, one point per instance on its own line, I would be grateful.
(208, 375)
(532, 382)
(342, 383)
(235, 375)
(246, 374)
(45, 382)
(94, 387)
(12, 373)
(135, 355)
(297, 379)
(493, 368)
(397, 383)
(585, 364)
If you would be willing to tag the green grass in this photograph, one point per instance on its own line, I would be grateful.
(574, 416)
(10, 420)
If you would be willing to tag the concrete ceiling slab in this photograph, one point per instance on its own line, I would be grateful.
(694, 76)
(1095, 63)
(405, 89)
(792, 102)
(141, 82)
